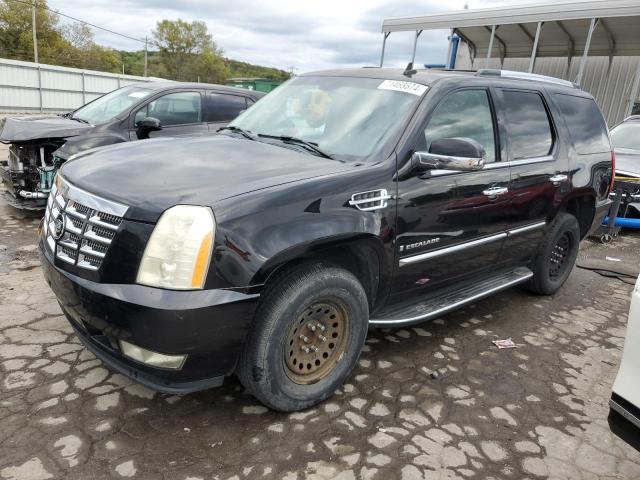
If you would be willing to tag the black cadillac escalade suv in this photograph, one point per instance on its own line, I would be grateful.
(342, 200)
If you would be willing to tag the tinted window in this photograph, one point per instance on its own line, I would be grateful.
(466, 113)
(530, 133)
(173, 109)
(585, 123)
(223, 108)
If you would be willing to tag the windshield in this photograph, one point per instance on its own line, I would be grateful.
(110, 105)
(626, 135)
(343, 116)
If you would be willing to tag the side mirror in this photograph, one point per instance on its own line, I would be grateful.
(146, 126)
(462, 154)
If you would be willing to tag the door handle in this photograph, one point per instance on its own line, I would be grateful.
(495, 192)
(558, 179)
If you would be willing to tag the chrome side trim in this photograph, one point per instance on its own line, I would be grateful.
(495, 165)
(522, 161)
(71, 192)
(447, 250)
(526, 228)
(453, 306)
(625, 413)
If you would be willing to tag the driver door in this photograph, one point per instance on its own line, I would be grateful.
(180, 113)
(451, 224)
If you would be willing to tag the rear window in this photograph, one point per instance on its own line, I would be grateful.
(585, 123)
(224, 108)
(530, 132)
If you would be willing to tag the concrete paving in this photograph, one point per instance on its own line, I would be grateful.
(438, 401)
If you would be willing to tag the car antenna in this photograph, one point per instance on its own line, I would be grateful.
(409, 70)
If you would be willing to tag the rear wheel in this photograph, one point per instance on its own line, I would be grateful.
(557, 255)
(306, 337)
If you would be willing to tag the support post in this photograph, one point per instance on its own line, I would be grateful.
(493, 34)
(448, 62)
(415, 45)
(145, 55)
(33, 28)
(635, 92)
(534, 50)
(571, 47)
(84, 91)
(40, 87)
(585, 54)
(385, 35)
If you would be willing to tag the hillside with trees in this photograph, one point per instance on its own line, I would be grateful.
(178, 50)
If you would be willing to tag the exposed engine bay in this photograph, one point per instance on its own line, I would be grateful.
(30, 172)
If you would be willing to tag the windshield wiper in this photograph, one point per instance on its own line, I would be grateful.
(244, 133)
(78, 119)
(312, 146)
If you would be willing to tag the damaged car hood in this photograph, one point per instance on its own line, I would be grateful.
(153, 175)
(31, 127)
(628, 162)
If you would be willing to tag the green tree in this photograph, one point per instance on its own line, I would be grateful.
(16, 39)
(188, 51)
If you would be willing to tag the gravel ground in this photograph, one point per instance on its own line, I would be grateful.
(433, 402)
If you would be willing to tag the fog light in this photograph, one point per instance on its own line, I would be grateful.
(152, 358)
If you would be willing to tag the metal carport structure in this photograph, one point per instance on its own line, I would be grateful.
(581, 29)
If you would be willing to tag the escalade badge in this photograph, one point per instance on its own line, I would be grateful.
(423, 243)
(58, 226)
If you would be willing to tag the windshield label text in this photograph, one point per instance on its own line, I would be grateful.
(406, 87)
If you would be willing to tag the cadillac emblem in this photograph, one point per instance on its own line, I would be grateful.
(58, 226)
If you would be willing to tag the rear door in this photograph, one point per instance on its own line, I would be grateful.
(222, 108)
(180, 113)
(450, 225)
(539, 170)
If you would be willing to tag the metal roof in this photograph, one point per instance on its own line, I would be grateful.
(565, 28)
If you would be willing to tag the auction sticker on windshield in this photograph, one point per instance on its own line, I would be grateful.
(400, 86)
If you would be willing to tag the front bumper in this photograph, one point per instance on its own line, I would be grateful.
(11, 196)
(209, 326)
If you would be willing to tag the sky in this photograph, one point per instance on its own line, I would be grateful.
(302, 35)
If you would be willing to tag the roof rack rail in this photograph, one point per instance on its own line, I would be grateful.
(488, 72)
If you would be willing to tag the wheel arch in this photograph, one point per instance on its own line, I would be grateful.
(583, 207)
(361, 254)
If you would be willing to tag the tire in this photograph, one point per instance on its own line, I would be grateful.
(276, 366)
(557, 255)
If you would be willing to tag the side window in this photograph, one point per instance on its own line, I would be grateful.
(530, 132)
(585, 123)
(466, 113)
(224, 108)
(180, 108)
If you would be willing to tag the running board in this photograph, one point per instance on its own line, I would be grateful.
(401, 315)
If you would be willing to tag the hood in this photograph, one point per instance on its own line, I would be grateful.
(628, 162)
(24, 129)
(152, 175)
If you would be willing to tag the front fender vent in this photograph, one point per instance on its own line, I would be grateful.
(371, 200)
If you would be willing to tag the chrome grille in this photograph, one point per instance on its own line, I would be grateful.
(87, 229)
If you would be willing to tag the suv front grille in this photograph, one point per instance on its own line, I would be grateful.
(78, 230)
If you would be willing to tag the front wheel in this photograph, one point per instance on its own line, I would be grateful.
(306, 337)
(557, 255)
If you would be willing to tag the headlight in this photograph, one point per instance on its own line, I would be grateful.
(178, 253)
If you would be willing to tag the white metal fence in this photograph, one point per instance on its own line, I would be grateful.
(34, 87)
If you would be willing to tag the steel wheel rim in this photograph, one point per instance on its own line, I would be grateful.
(559, 256)
(316, 342)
